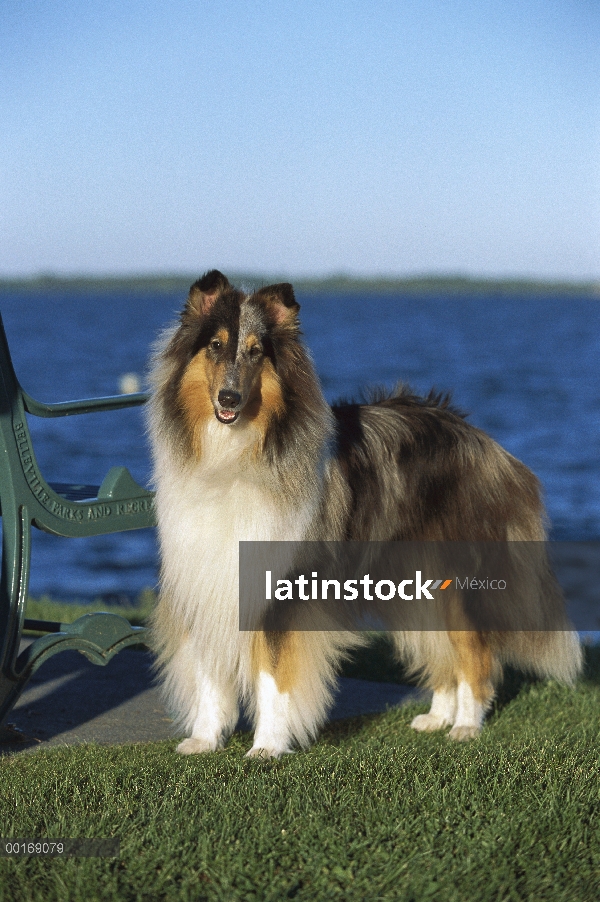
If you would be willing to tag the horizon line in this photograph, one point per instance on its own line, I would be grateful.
(176, 281)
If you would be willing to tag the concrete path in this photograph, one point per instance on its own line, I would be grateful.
(70, 700)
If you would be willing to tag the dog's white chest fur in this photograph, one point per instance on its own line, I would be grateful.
(204, 511)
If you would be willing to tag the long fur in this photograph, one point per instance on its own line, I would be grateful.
(246, 448)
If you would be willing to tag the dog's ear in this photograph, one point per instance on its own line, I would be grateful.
(205, 292)
(280, 302)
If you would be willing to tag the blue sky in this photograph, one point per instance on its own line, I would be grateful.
(311, 137)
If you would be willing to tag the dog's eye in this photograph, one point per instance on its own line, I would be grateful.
(215, 344)
(255, 351)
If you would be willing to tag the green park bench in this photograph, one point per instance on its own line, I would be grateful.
(27, 500)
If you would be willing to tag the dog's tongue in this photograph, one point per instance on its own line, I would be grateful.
(227, 415)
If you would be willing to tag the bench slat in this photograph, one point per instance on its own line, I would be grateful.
(75, 492)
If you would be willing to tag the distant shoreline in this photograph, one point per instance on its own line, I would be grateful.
(179, 284)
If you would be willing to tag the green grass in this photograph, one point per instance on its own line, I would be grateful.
(372, 811)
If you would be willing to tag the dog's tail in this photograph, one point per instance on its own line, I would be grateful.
(536, 635)
(549, 654)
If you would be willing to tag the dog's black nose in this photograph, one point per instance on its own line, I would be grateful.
(228, 398)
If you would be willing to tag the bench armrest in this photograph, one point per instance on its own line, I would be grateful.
(89, 405)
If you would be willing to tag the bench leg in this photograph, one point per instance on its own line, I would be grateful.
(14, 585)
(99, 636)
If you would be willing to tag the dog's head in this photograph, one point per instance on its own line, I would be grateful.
(230, 348)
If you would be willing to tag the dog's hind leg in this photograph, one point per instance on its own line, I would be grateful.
(461, 668)
(431, 654)
(476, 669)
(442, 712)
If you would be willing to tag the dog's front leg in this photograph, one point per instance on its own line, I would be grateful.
(214, 715)
(273, 661)
(273, 735)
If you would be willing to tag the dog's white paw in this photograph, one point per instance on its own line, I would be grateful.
(259, 752)
(196, 746)
(427, 723)
(464, 734)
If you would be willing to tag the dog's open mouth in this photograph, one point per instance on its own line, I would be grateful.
(227, 416)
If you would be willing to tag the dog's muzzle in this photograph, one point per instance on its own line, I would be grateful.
(228, 400)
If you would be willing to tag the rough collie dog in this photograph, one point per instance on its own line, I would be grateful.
(246, 448)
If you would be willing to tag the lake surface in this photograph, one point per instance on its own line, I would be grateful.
(527, 369)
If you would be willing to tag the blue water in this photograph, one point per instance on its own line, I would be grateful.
(526, 369)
